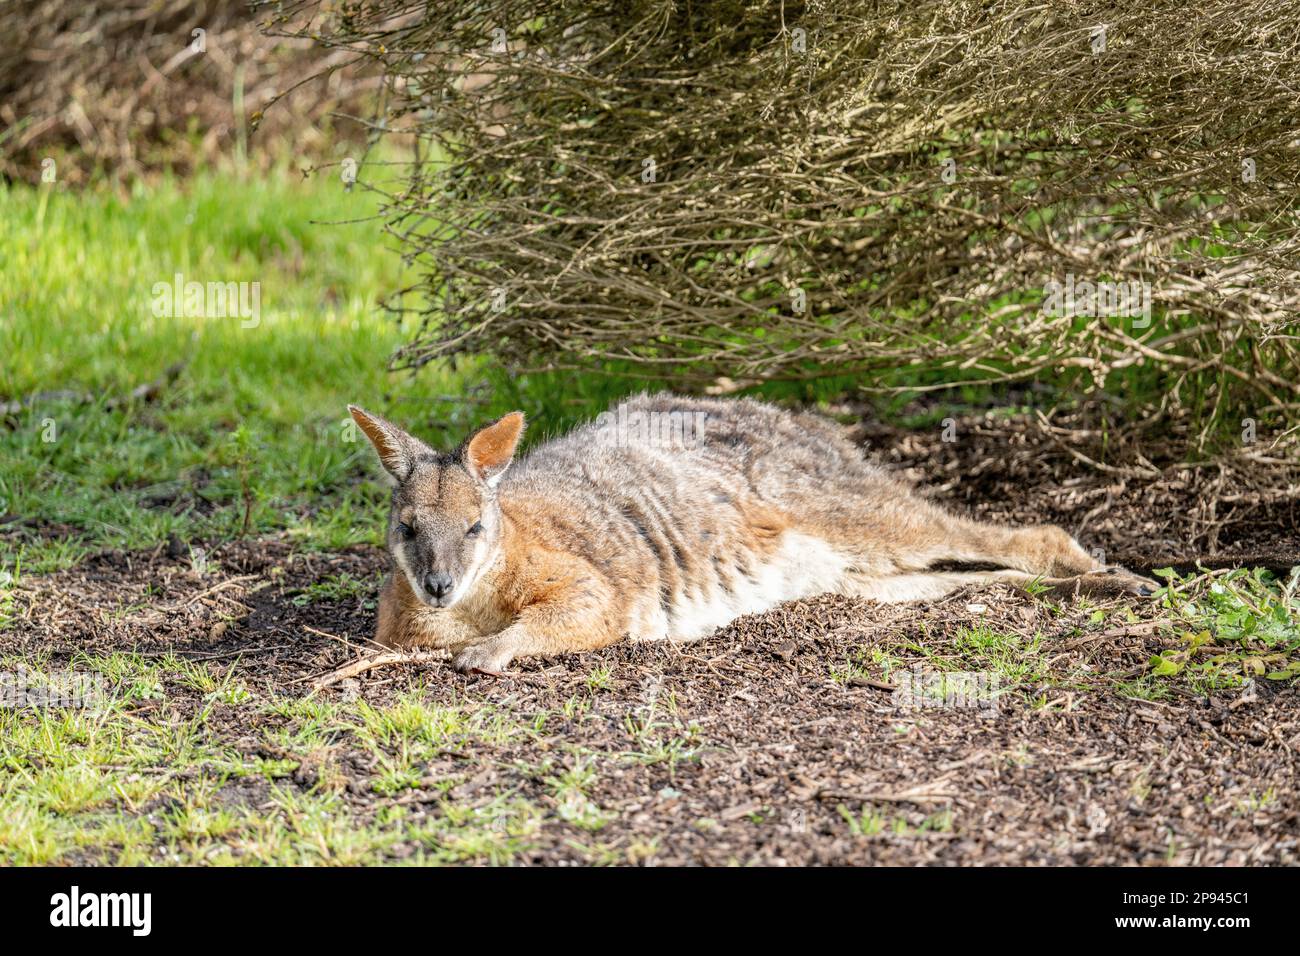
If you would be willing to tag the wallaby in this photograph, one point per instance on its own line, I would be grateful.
(664, 520)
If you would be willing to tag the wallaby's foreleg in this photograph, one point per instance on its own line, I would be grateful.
(551, 627)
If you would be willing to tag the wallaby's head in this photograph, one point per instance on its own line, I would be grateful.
(444, 529)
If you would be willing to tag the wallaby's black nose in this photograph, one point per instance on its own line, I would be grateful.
(438, 585)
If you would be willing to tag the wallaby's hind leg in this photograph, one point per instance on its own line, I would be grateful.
(1052, 559)
(922, 586)
(1109, 582)
(917, 535)
(1040, 549)
(930, 553)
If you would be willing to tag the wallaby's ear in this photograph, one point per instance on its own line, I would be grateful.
(489, 451)
(397, 450)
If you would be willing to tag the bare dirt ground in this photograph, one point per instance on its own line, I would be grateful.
(788, 737)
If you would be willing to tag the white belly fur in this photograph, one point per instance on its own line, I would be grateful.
(800, 567)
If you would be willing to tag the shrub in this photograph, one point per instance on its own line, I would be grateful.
(765, 191)
(135, 86)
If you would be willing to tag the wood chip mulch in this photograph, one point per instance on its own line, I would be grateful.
(759, 744)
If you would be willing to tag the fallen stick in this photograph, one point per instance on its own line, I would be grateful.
(936, 791)
(868, 682)
(910, 796)
(363, 664)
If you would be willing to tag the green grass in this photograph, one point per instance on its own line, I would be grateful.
(257, 416)
(870, 822)
(168, 765)
(1231, 627)
(338, 587)
(1219, 631)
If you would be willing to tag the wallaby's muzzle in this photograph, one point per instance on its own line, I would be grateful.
(439, 588)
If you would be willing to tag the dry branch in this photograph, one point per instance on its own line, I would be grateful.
(883, 190)
(126, 87)
(363, 664)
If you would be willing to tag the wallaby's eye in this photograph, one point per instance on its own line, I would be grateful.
(474, 529)
(405, 530)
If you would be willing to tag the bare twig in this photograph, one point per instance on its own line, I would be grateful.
(370, 662)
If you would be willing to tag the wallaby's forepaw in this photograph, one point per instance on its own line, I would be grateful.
(490, 657)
